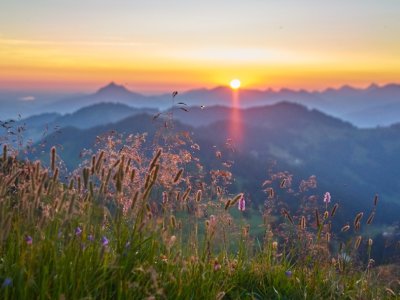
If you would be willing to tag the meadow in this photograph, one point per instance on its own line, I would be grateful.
(142, 220)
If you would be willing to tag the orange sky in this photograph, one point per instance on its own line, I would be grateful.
(159, 47)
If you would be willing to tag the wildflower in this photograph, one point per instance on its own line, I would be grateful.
(28, 240)
(288, 273)
(104, 241)
(327, 197)
(217, 265)
(371, 263)
(242, 204)
(90, 237)
(7, 282)
(78, 231)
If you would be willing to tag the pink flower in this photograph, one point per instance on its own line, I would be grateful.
(242, 204)
(217, 266)
(327, 197)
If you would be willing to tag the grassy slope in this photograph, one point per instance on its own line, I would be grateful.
(72, 242)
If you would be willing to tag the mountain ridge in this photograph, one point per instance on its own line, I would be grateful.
(355, 105)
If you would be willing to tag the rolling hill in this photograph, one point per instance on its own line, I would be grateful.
(352, 163)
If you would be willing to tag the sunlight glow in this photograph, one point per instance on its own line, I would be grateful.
(235, 84)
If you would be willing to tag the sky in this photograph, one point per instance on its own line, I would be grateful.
(158, 46)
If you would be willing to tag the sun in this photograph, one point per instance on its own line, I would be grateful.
(235, 84)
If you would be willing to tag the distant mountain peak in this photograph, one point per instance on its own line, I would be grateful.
(346, 88)
(372, 86)
(112, 88)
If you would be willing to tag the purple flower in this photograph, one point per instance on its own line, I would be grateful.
(288, 273)
(104, 241)
(327, 197)
(90, 237)
(7, 282)
(78, 231)
(242, 204)
(28, 240)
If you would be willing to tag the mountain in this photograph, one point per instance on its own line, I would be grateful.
(36, 127)
(379, 115)
(369, 107)
(352, 163)
(276, 115)
(112, 93)
(348, 103)
(100, 114)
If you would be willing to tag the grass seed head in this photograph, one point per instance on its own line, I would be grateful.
(198, 195)
(133, 173)
(376, 199)
(370, 218)
(228, 204)
(358, 218)
(345, 228)
(178, 176)
(334, 209)
(172, 221)
(318, 222)
(4, 154)
(53, 158)
(236, 198)
(357, 242)
(303, 223)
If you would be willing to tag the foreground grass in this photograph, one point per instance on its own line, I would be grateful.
(114, 264)
(113, 233)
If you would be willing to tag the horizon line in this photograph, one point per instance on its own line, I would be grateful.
(149, 93)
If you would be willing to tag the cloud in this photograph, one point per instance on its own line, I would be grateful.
(34, 42)
(27, 98)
